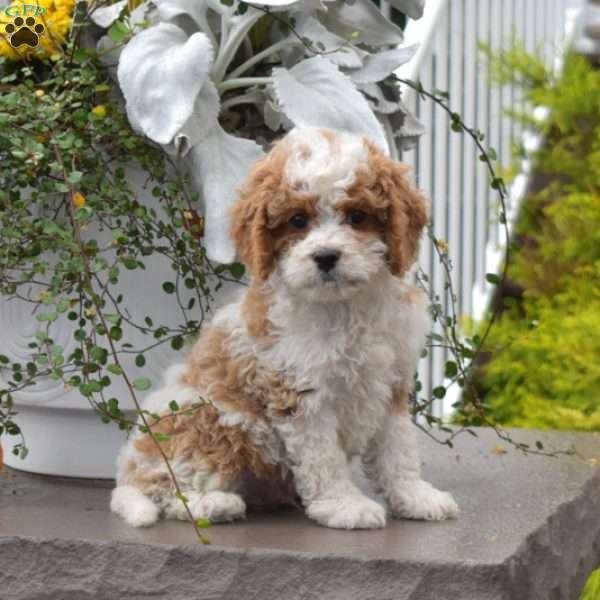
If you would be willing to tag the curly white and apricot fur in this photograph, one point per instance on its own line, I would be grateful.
(313, 364)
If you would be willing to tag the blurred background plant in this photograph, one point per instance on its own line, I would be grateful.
(592, 587)
(541, 368)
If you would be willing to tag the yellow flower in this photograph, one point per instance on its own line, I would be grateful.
(99, 111)
(78, 199)
(56, 18)
(39, 93)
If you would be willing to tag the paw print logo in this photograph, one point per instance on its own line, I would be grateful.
(24, 31)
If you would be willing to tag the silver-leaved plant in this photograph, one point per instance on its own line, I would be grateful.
(186, 66)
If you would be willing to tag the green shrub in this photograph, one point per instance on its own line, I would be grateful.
(565, 237)
(592, 587)
(544, 370)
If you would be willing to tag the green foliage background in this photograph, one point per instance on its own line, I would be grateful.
(592, 587)
(544, 370)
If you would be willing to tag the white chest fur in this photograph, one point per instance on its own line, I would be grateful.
(350, 354)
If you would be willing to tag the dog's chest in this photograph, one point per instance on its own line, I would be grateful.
(333, 355)
(351, 368)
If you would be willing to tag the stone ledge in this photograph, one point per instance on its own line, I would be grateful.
(528, 530)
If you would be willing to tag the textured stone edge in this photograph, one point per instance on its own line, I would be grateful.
(556, 559)
(552, 562)
(36, 569)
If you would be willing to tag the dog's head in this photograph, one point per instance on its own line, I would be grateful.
(327, 212)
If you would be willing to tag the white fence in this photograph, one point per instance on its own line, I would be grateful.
(463, 206)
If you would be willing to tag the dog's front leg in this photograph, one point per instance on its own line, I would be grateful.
(392, 462)
(322, 473)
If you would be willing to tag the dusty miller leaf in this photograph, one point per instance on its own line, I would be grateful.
(412, 8)
(220, 163)
(378, 66)
(105, 16)
(195, 9)
(363, 17)
(161, 72)
(338, 48)
(315, 93)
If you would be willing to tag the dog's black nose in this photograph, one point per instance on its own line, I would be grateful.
(326, 259)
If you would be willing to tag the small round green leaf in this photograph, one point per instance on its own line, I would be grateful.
(142, 384)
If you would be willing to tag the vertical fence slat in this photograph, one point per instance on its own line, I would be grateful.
(469, 158)
(530, 25)
(412, 159)
(517, 95)
(482, 187)
(504, 147)
(495, 114)
(426, 172)
(558, 24)
(440, 193)
(455, 149)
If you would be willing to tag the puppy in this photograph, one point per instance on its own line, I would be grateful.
(313, 365)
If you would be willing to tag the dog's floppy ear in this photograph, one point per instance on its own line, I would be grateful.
(407, 212)
(250, 221)
(249, 229)
(407, 216)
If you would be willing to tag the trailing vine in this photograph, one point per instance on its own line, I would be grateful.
(465, 350)
(64, 149)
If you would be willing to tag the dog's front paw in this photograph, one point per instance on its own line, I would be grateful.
(420, 500)
(347, 512)
(218, 507)
(136, 508)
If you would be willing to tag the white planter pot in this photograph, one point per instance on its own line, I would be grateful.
(66, 442)
(65, 436)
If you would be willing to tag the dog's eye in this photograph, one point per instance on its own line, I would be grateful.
(356, 217)
(299, 221)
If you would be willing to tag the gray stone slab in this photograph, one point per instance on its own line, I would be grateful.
(529, 530)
